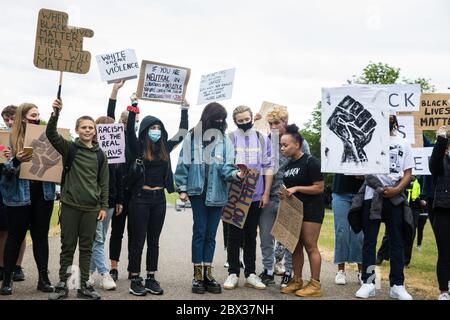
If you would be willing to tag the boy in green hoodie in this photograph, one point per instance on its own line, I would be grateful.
(84, 198)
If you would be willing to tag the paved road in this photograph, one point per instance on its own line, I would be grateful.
(175, 271)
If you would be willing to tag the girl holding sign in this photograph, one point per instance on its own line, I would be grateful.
(205, 166)
(29, 205)
(304, 180)
(150, 156)
(440, 169)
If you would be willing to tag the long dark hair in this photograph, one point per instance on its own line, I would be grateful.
(213, 111)
(154, 150)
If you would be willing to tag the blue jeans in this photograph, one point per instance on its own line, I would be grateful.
(98, 259)
(347, 245)
(204, 229)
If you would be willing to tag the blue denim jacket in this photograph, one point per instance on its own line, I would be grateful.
(218, 158)
(16, 192)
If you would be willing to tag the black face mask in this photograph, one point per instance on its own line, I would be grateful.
(245, 126)
(219, 125)
(38, 121)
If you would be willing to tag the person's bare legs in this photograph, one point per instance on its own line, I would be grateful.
(309, 237)
(298, 260)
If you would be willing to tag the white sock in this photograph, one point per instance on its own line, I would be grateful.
(270, 272)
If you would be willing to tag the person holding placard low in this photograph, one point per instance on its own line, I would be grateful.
(253, 150)
(440, 169)
(303, 179)
(150, 151)
(382, 198)
(8, 115)
(84, 199)
(29, 205)
(205, 165)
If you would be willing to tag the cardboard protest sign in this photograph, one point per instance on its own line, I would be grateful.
(239, 199)
(262, 125)
(421, 158)
(46, 164)
(434, 111)
(355, 130)
(59, 47)
(216, 86)
(111, 138)
(162, 82)
(121, 65)
(4, 144)
(406, 128)
(288, 224)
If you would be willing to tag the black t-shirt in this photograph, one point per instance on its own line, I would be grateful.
(346, 184)
(304, 172)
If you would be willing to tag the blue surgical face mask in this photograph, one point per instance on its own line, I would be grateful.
(154, 135)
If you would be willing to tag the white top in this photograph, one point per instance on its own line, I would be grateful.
(400, 159)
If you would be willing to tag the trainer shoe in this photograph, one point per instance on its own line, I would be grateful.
(253, 281)
(114, 274)
(152, 286)
(61, 292)
(18, 274)
(231, 282)
(293, 285)
(340, 277)
(400, 293)
(312, 289)
(266, 279)
(107, 282)
(367, 290)
(136, 287)
(444, 296)
(88, 292)
(285, 279)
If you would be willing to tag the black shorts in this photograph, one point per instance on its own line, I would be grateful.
(313, 213)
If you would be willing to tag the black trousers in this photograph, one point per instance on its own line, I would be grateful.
(441, 228)
(35, 217)
(393, 218)
(249, 233)
(226, 231)
(117, 229)
(420, 226)
(146, 219)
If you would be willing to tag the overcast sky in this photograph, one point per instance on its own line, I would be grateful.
(283, 51)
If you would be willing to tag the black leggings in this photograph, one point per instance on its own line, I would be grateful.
(146, 219)
(420, 226)
(117, 230)
(35, 217)
(441, 228)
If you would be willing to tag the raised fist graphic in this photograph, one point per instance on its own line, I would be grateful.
(44, 156)
(354, 125)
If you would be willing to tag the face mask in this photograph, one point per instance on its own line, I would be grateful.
(219, 125)
(245, 126)
(154, 135)
(38, 121)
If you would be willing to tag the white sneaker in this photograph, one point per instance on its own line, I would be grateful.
(340, 277)
(107, 282)
(419, 248)
(226, 265)
(400, 293)
(253, 281)
(367, 290)
(279, 268)
(444, 296)
(231, 282)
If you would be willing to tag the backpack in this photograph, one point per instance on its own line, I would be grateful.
(73, 149)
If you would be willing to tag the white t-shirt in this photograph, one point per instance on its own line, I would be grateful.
(400, 159)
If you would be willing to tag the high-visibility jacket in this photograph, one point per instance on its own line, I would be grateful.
(414, 191)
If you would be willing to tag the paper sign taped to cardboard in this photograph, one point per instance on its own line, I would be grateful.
(121, 65)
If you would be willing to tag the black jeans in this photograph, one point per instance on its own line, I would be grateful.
(441, 227)
(35, 217)
(420, 226)
(393, 218)
(226, 231)
(117, 229)
(146, 218)
(249, 232)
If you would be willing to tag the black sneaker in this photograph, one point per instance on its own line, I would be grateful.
(266, 279)
(136, 287)
(114, 274)
(285, 279)
(88, 292)
(61, 292)
(152, 286)
(18, 274)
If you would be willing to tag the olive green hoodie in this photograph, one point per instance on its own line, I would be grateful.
(81, 188)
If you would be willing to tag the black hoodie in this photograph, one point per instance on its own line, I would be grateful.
(135, 149)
